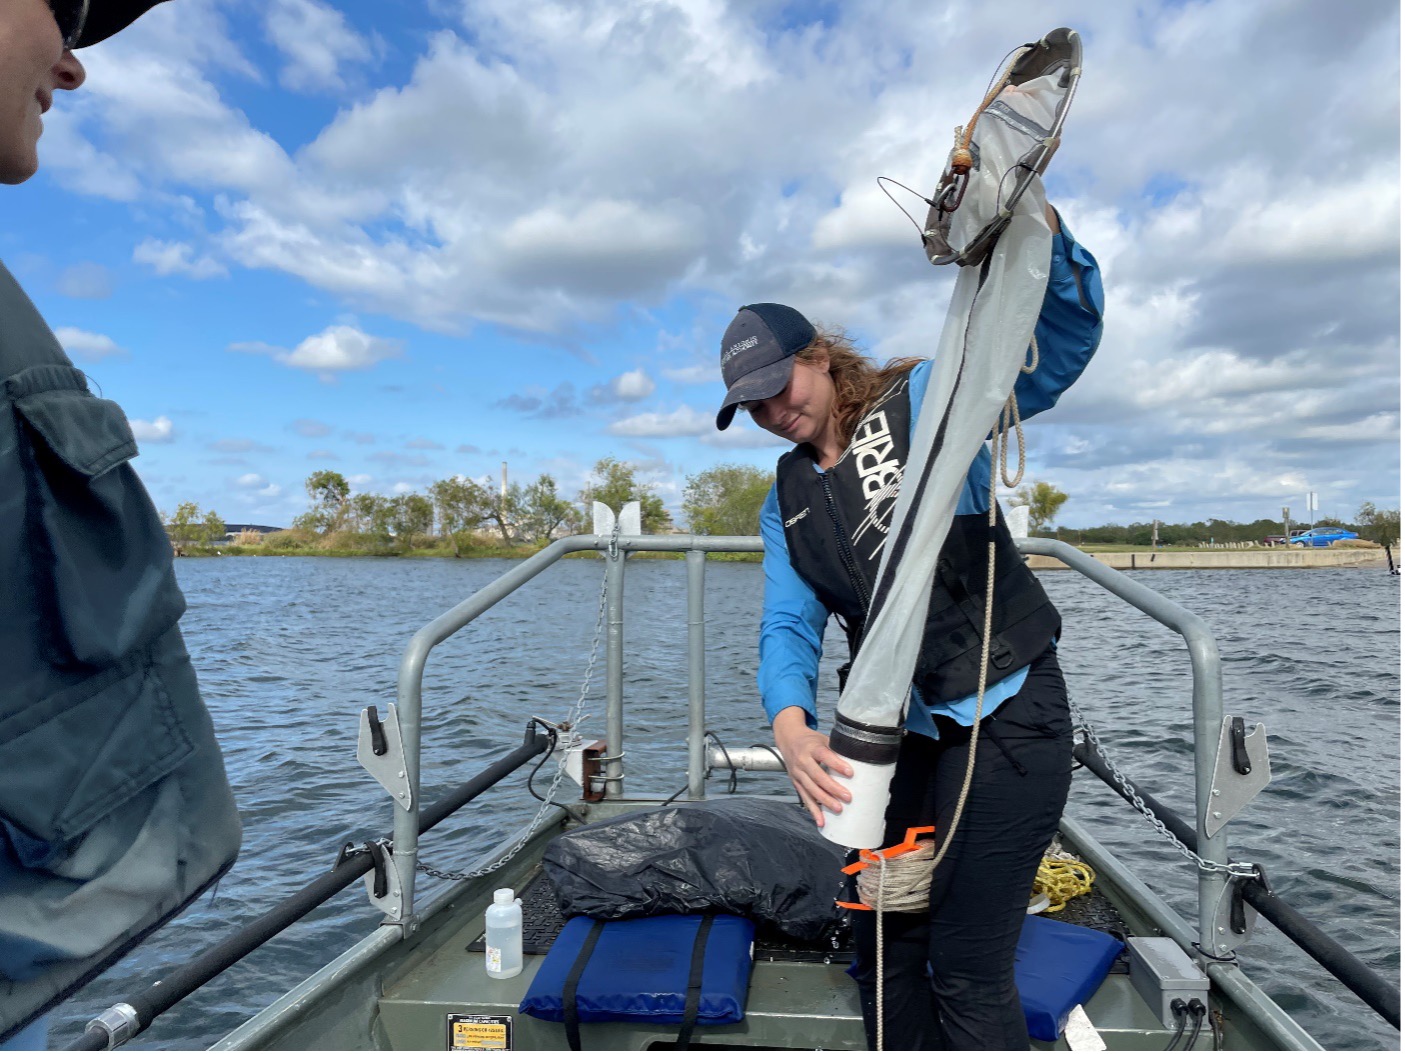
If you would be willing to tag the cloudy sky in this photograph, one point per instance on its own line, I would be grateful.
(415, 239)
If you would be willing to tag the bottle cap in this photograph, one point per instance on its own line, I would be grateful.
(502, 896)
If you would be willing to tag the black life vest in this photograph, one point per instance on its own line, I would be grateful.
(836, 524)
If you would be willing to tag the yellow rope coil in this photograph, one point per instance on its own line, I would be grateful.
(1062, 880)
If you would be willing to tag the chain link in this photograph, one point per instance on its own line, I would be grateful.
(1234, 870)
(568, 726)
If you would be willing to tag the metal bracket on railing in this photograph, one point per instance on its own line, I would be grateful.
(1241, 771)
(583, 768)
(383, 881)
(1234, 919)
(630, 522)
(382, 754)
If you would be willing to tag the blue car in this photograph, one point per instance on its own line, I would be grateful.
(1321, 537)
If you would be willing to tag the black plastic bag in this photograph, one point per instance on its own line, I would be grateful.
(764, 860)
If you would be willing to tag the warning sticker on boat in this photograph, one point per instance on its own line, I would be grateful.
(479, 1032)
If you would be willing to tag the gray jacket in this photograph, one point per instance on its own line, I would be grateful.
(115, 811)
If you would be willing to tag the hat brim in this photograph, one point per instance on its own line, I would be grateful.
(106, 17)
(758, 384)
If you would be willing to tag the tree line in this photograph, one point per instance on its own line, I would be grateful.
(1381, 526)
(462, 513)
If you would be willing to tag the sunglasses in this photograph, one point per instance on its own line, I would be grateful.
(70, 16)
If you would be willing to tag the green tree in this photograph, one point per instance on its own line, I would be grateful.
(1044, 501)
(212, 528)
(461, 505)
(504, 510)
(185, 527)
(726, 499)
(412, 516)
(541, 510)
(330, 493)
(1381, 526)
(612, 482)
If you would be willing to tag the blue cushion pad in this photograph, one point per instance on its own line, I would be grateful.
(639, 969)
(1058, 966)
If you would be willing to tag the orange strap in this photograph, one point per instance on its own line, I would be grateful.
(871, 856)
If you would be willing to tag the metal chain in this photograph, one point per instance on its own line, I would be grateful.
(1235, 870)
(569, 726)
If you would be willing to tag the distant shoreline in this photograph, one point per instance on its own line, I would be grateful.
(1143, 560)
(1225, 559)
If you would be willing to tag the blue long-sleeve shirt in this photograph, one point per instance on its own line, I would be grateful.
(793, 619)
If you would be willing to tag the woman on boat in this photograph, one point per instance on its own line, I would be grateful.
(949, 973)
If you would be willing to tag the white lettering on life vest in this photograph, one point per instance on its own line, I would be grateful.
(880, 475)
(872, 452)
(798, 516)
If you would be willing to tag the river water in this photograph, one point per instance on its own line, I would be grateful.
(290, 649)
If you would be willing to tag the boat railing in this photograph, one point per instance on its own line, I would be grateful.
(1207, 700)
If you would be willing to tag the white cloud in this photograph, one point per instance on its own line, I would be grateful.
(160, 430)
(684, 421)
(167, 258)
(336, 349)
(360, 479)
(89, 347)
(315, 41)
(629, 387)
(250, 481)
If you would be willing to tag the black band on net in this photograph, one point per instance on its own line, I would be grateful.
(872, 744)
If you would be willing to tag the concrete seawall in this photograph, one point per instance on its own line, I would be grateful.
(1223, 559)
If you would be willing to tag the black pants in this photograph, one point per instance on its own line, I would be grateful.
(950, 973)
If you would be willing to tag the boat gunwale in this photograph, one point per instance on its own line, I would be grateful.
(445, 910)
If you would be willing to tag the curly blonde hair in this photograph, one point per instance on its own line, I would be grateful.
(858, 380)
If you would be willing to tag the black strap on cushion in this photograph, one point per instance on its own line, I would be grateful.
(695, 980)
(569, 1015)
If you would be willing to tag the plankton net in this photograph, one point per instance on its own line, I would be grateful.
(987, 216)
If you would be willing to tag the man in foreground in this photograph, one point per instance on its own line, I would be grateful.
(115, 811)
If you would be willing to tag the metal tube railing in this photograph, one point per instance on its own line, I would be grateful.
(614, 676)
(410, 681)
(697, 674)
(1207, 703)
(1207, 692)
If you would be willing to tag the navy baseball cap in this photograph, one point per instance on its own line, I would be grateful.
(756, 354)
(100, 19)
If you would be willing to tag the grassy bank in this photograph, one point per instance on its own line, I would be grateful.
(301, 543)
(296, 543)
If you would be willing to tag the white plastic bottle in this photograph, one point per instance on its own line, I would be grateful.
(502, 941)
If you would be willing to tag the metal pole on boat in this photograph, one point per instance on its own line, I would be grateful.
(697, 688)
(629, 524)
(405, 832)
(1207, 702)
(614, 674)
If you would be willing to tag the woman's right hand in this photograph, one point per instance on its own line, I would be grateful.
(809, 762)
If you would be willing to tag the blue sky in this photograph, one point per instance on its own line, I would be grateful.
(407, 240)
